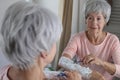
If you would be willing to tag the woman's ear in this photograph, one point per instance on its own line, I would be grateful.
(43, 55)
(41, 59)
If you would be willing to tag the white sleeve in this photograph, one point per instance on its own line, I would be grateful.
(70, 65)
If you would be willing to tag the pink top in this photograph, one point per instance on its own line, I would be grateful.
(3, 73)
(108, 50)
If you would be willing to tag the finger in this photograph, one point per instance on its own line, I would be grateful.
(88, 60)
(69, 73)
(66, 72)
(92, 62)
(84, 60)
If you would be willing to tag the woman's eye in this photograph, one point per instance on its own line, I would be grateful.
(89, 18)
(98, 18)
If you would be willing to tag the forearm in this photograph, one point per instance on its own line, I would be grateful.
(109, 67)
(85, 72)
(96, 76)
(91, 59)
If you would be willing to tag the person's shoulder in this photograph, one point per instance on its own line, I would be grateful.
(3, 72)
(112, 36)
(79, 34)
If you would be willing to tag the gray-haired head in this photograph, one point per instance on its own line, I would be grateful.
(27, 30)
(98, 6)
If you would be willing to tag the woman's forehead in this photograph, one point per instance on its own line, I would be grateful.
(99, 14)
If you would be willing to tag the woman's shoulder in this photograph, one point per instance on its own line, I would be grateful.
(3, 72)
(79, 34)
(112, 36)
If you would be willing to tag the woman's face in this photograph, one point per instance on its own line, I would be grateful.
(95, 22)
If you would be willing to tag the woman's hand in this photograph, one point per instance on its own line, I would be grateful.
(69, 75)
(96, 76)
(73, 75)
(91, 59)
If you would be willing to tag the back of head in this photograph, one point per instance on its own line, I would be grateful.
(27, 30)
(98, 6)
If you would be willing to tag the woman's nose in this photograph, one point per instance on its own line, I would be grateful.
(94, 21)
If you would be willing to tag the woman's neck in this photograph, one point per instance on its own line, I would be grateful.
(33, 73)
(96, 38)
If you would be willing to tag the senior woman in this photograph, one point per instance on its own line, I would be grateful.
(30, 34)
(97, 49)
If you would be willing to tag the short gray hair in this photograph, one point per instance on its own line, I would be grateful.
(27, 30)
(98, 6)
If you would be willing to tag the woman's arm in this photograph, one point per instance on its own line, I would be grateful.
(91, 59)
(109, 67)
(85, 72)
(73, 75)
(112, 68)
(96, 76)
(69, 75)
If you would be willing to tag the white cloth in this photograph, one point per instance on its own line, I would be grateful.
(70, 65)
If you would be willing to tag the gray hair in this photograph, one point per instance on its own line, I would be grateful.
(27, 30)
(98, 6)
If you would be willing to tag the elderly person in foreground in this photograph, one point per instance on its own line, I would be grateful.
(95, 48)
(30, 34)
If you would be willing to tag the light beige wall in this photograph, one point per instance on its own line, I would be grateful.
(60, 13)
(61, 5)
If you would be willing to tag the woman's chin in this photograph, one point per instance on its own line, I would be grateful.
(95, 31)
